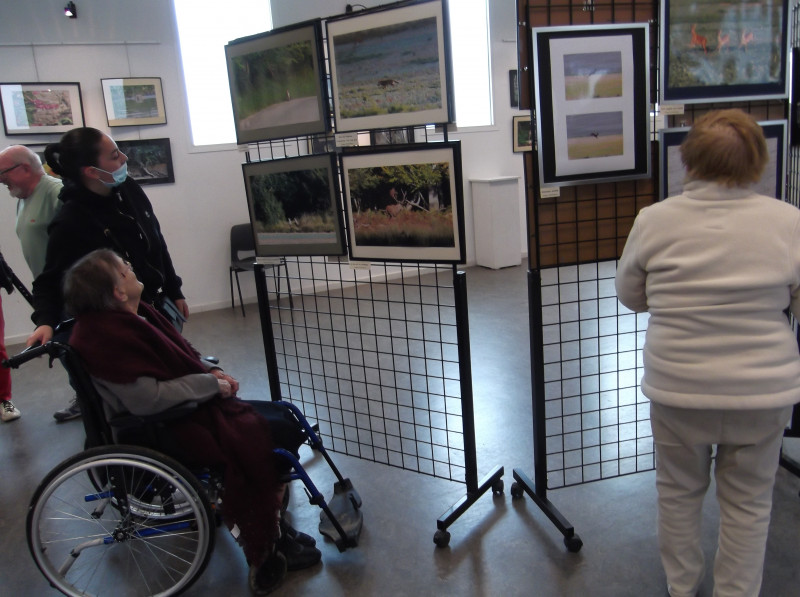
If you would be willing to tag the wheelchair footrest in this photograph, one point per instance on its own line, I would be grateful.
(345, 507)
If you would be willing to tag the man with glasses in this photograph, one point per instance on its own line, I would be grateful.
(36, 193)
(37, 200)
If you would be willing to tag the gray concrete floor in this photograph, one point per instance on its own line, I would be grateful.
(500, 546)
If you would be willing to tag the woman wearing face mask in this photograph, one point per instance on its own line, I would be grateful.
(102, 208)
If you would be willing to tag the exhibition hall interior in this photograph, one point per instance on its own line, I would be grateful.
(403, 219)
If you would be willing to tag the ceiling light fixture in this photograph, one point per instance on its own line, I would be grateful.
(70, 11)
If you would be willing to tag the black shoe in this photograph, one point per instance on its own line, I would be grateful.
(268, 576)
(298, 556)
(299, 536)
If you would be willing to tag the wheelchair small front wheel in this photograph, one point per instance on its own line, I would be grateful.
(89, 532)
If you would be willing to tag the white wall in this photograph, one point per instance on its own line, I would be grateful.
(120, 38)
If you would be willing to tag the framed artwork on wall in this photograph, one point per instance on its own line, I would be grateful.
(149, 160)
(772, 183)
(390, 66)
(593, 106)
(134, 101)
(715, 51)
(294, 206)
(405, 203)
(277, 83)
(523, 134)
(40, 108)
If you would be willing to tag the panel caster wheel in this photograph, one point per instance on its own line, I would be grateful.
(441, 538)
(497, 487)
(573, 543)
(516, 490)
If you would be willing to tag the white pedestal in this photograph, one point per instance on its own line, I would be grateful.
(495, 203)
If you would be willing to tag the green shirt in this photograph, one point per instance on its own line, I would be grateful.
(33, 217)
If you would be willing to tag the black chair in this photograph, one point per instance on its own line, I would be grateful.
(243, 251)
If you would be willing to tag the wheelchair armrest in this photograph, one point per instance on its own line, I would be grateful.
(129, 421)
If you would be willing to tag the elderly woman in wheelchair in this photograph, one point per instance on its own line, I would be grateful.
(139, 364)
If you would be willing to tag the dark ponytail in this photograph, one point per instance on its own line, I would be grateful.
(77, 149)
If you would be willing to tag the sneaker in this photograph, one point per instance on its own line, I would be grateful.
(73, 411)
(298, 556)
(268, 576)
(9, 412)
(299, 536)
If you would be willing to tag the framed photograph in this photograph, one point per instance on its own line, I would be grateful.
(390, 66)
(405, 203)
(149, 160)
(277, 83)
(593, 106)
(715, 51)
(294, 206)
(523, 134)
(40, 108)
(134, 101)
(772, 183)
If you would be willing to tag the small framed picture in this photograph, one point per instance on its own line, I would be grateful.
(149, 160)
(134, 101)
(523, 134)
(40, 108)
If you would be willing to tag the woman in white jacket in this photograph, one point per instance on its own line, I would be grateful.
(716, 268)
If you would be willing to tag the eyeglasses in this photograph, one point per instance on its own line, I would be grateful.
(7, 170)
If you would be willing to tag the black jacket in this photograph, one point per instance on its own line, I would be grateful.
(124, 222)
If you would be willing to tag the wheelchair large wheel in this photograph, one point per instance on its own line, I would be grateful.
(126, 537)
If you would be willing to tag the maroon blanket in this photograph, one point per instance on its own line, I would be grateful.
(120, 347)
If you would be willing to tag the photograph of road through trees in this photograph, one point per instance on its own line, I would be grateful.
(406, 205)
(594, 135)
(715, 43)
(134, 101)
(388, 70)
(591, 76)
(293, 210)
(275, 86)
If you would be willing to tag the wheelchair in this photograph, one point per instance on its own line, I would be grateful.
(127, 519)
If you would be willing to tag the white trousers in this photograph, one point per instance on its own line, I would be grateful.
(748, 449)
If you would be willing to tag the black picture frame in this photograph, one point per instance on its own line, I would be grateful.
(593, 107)
(731, 51)
(277, 83)
(40, 108)
(522, 134)
(149, 160)
(294, 206)
(381, 58)
(772, 183)
(404, 203)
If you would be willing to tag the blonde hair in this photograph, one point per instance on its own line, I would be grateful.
(726, 147)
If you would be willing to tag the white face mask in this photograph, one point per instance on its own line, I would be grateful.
(119, 175)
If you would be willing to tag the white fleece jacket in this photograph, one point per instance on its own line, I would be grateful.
(715, 268)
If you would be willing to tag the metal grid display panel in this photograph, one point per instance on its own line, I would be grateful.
(375, 363)
(597, 420)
